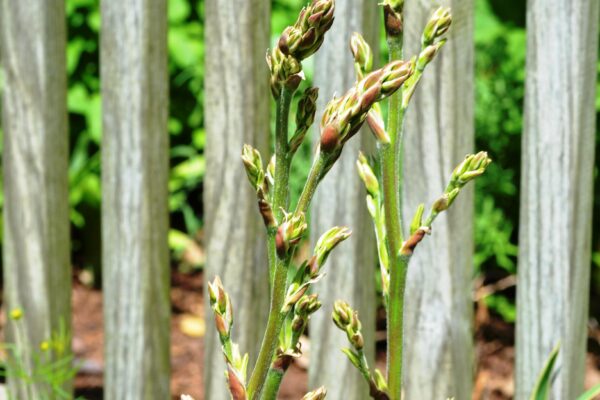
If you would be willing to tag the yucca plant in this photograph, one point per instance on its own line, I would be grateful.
(290, 304)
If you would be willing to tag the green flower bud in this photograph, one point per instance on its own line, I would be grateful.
(289, 233)
(363, 56)
(471, 167)
(326, 243)
(305, 116)
(253, 164)
(437, 26)
(366, 174)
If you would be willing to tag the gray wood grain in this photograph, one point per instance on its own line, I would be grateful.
(37, 271)
(237, 112)
(438, 359)
(135, 167)
(556, 192)
(340, 200)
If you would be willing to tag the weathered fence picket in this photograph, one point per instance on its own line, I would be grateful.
(135, 166)
(37, 272)
(340, 200)
(556, 193)
(439, 133)
(237, 110)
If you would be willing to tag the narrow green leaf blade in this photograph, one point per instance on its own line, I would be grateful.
(590, 394)
(542, 387)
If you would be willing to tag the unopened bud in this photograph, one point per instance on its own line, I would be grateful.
(305, 116)
(438, 25)
(318, 394)
(428, 53)
(376, 124)
(342, 314)
(363, 56)
(328, 241)
(471, 167)
(253, 164)
(366, 174)
(357, 341)
(417, 220)
(289, 233)
(307, 305)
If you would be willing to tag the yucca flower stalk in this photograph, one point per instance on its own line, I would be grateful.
(290, 303)
(384, 194)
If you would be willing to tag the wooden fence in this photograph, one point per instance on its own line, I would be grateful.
(556, 191)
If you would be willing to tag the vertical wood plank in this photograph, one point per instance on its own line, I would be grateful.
(135, 167)
(37, 271)
(556, 193)
(439, 133)
(236, 112)
(340, 200)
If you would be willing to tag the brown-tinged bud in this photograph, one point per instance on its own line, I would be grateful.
(253, 165)
(367, 175)
(376, 124)
(357, 341)
(342, 314)
(318, 394)
(363, 56)
(328, 241)
(221, 306)
(428, 53)
(294, 293)
(437, 26)
(305, 116)
(286, 71)
(306, 36)
(307, 305)
(236, 385)
(393, 19)
(289, 233)
(266, 212)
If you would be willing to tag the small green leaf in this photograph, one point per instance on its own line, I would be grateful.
(590, 394)
(542, 387)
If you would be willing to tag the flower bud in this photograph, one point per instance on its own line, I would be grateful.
(342, 313)
(289, 233)
(438, 25)
(471, 167)
(318, 394)
(366, 174)
(428, 53)
(253, 164)
(328, 241)
(305, 116)
(306, 36)
(376, 124)
(363, 56)
(285, 71)
(417, 220)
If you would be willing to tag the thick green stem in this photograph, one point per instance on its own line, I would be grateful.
(278, 268)
(391, 165)
(311, 184)
(273, 383)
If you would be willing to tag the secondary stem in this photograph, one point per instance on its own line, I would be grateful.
(391, 177)
(277, 267)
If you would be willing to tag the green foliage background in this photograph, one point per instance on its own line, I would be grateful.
(500, 74)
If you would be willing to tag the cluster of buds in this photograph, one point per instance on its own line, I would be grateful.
(289, 233)
(437, 26)
(289, 341)
(298, 42)
(310, 271)
(260, 182)
(362, 54)
(305, 37)
(286, 71)
(432, 41)
(344, 116)
(470, 168)
(221, 306)
(326, 243)
(347, 320)
(237, 364)
(305, 116)
(318, 394)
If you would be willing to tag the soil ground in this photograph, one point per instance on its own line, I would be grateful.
(494, 347)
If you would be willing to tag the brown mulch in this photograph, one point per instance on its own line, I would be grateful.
(494, 347)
